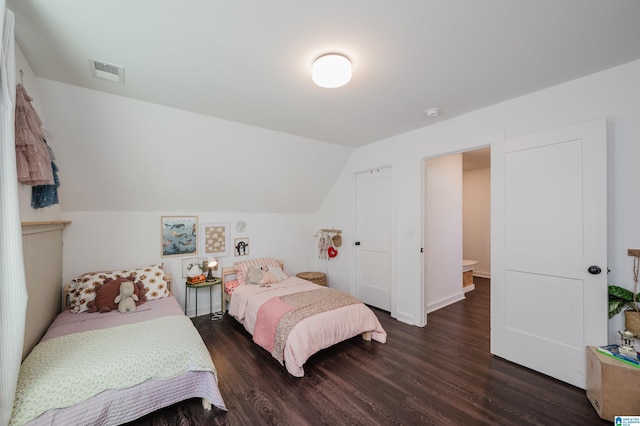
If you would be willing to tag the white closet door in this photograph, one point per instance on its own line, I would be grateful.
(373, 238)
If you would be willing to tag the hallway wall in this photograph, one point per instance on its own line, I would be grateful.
(476, 219)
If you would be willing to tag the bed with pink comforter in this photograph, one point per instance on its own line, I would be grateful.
(111, 368)
(266, 313)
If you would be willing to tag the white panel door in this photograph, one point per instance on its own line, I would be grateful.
(373, 238)
(548, 227)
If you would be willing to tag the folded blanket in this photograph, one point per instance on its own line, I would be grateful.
(306, 304)
(269, 316)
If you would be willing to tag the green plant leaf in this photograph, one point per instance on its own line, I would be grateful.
(615, 306)
(620, 292)
(619, 299)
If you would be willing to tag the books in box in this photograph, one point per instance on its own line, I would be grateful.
(615, 352)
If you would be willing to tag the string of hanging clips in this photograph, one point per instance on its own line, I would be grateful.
(328, 242)
(329, 231)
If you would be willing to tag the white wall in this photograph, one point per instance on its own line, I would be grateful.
(111, 150)
(614, 94)
(443, 231)
(339, 214)
(120, 154)
(125, 163)
(476, 219)
(97, 241)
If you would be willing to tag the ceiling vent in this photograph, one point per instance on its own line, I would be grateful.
(107, 71)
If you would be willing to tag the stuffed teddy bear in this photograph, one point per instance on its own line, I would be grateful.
(127, 299)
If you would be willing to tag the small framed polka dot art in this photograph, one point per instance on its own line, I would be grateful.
(215, 240)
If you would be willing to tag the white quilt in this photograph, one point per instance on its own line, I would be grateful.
(53, 376)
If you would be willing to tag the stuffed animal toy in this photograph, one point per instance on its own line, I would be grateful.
(127, 299)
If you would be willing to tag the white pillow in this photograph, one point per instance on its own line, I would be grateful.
(269, 278)
(278, 272)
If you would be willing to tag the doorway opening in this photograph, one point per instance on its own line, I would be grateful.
(457, 234)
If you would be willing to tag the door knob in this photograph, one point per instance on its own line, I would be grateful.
(594, 270)
(357, 243)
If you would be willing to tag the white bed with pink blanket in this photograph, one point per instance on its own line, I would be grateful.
(104, 368)
(293, 318)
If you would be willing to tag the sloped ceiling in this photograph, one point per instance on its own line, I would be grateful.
(249, 61)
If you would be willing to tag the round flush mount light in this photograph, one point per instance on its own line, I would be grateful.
(331, 70)
(432, 112)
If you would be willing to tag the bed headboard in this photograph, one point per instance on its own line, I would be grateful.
(227, 273)
(42, 255)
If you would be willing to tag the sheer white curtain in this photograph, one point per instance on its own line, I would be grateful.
(13, 289)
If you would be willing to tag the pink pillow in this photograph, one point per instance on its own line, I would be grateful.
(229, 286)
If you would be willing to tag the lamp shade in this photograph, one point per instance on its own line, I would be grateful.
(212, 263)
(331, 70)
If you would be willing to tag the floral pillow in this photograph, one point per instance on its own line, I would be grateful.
(83, 289)
(154, 280)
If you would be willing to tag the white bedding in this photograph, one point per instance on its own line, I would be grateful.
(311, 334)
(115, 374)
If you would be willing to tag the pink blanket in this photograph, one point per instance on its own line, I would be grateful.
(267, 320)
(310, 334)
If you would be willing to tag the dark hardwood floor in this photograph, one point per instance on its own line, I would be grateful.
(441, 374)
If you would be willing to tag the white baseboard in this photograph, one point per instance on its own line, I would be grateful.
(432, 307)
(482, 274)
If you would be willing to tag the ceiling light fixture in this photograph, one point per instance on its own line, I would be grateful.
(331, 70)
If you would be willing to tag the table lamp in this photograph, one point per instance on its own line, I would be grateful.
(212, 264)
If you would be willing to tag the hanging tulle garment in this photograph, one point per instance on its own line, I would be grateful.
(46, 195)
(32, 153)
